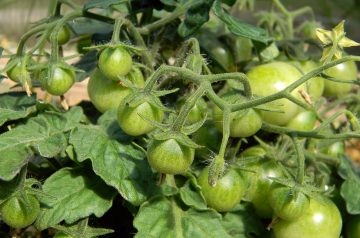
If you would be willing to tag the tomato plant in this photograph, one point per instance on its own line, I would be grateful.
(268, 102)
(18, 212)
(353, 227)
(226, 194)
(321, 219)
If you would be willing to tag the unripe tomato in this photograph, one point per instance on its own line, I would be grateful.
(321, 220)
(115, 62)
(259, 184)
(63, 35)
(286, 205)
(243, 123)
(83, 42)
(271, 78)
(196, 113)
(303, 121)
(104, 93)
(61, 81)
(227, 192)
(169, 156)
(14, 72)
(208, 137)
(314, 86)
(61, 235)
(254, 151)
(343, 71)
(353, 227)
(133, 124)
(18, 214)
(136, 77)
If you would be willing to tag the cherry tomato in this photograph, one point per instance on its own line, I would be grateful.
(136, 77)
(321, 220)
(16, 213)
(115, 62)
(353, 227)
(254, 151)
(343, 71)
(271, 78)
(243, 123)
(132, 123)
(169, 156)
(61, 81)
(63, 35)
(83, 42)
(227, 192)
(209, 137)
(259, 184)
(197, 112)
(286, 204)
(14, 72)
(303, 121)
(104, 93)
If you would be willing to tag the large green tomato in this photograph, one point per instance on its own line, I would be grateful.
(106, 94)
(271, 78)
(18, 214)
(115, 63)
(132, 123)
(227, 192)
(343, 71)
(243, 123)
(61, 81)
(169, 156)
(321, 220)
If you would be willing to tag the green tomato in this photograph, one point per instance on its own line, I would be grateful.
(343, 71)
(286, 205)
(227, 192)
(132, 123)
(83, 42)
(314, 86)
(196, 113)
(243, 123)
(353, 227)
(254, 151)
(335, 149)
(63, 35)
(259, 186)
(14, 72)
(104, 93)
(303, 121)
(321, 220)
(209, 137)
(115, 63)
(18, 214)
(169, 156)
(61, 81)
(271, 78)
(136, 77)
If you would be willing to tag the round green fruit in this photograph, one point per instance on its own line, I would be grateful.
(115, 63)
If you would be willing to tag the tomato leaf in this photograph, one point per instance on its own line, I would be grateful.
(14, 106)
(243, 222)
(240, 28)
(163, 217)
(81, 195)
(110, 124)
(191, 197)
(103, 4)
(120, 166)
(45, 134)
(350, 188)
(195, 17)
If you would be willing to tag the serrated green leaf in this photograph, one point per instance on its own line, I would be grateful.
(243, 223)
(162, 217)
(191, 197)
(44, 133)
(350, 188)
(241, 28)
(109, 122)
(73, 194)
(120, 166)
(15, 106)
